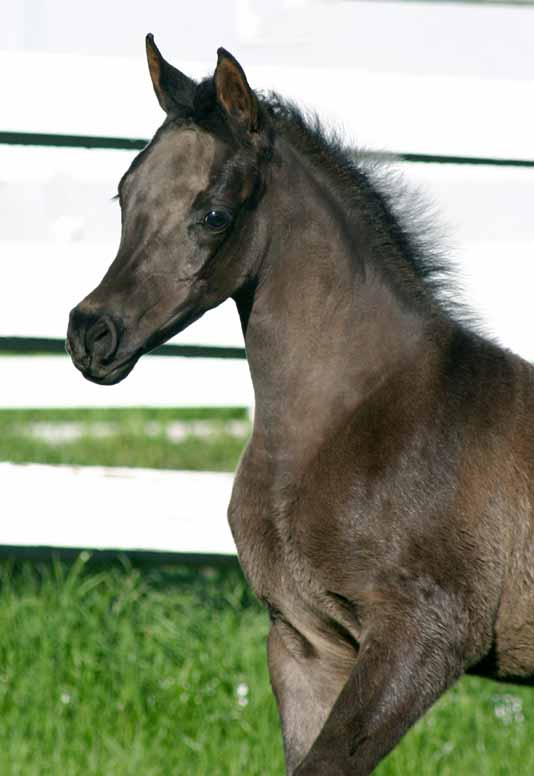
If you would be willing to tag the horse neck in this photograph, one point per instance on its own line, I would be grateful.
(324, 331)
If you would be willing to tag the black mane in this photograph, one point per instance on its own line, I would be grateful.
(405, 224)
(406, 229)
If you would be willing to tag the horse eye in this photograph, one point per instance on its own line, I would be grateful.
(217, 220)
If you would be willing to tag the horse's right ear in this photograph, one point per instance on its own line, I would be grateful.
(174, 90)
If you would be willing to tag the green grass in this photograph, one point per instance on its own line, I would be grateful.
(116, 672)
(129, 443)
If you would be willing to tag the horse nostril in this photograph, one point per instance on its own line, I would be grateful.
(102, 339)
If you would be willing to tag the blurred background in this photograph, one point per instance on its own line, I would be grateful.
(129, 641)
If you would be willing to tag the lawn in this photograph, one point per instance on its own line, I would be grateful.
(192, 438)
(117, 670)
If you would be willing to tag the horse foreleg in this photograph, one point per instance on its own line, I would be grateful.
(404, 665)
(303, 696)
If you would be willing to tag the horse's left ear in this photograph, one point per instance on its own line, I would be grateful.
(233, 92)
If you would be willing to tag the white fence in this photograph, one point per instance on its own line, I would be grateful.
(59, 232)
(128, 509)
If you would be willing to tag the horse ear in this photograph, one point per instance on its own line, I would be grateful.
(233, 92)
(174, 90)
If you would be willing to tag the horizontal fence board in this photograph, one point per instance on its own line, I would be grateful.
(67, 272)
(53, 381)
(465, 114)
(97, 508)
(496, 274)
(477, 204)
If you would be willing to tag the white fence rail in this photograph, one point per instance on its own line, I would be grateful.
(96, 508)
(156, 381)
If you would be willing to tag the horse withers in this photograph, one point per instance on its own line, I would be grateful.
(382, 509)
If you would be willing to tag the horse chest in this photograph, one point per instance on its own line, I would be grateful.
(261, 547)
(277, 564)
(271, 551)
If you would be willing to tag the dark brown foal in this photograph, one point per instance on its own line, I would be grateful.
(383, 507)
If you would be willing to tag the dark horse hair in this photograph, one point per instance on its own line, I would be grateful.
(383, 509)
(406, 228)
(406, 223)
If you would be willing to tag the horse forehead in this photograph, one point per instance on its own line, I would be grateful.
(181, 157)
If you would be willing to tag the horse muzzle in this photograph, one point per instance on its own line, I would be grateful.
(93, 342)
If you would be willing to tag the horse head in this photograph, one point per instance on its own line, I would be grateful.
(187, 240)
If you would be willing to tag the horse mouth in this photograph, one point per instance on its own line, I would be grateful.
(107, 376)
(94, 345)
